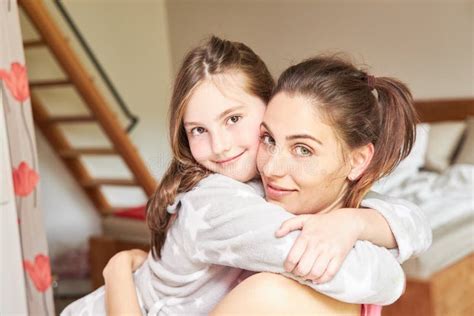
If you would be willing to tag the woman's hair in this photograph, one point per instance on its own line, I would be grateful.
(214, 57)
(362, 109)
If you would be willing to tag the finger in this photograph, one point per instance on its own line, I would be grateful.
(295, 254)
(319, 267)
(332, 269)
(310, 256)
(289, 225)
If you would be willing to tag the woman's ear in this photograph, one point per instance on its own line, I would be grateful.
(360, 159)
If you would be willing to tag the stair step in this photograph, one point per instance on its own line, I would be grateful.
(72, 119)
(50, 83)
(76, 152)
(104, 181)
(33, 43)
(113, 209)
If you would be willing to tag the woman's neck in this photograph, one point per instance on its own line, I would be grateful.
(338, 202)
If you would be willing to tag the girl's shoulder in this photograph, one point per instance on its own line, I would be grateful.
(220, 183)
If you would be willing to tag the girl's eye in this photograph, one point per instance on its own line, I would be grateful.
(303, 151)
(267, 140)
(234, 119)
(197, 131)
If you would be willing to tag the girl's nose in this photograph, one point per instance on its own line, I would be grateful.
(221, 143)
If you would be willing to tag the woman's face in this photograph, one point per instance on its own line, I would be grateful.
(300, 158)
(222, 123)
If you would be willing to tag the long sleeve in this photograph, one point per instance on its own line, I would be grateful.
(408, 223)
(227, 223)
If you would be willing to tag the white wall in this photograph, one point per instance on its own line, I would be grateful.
(428, 44)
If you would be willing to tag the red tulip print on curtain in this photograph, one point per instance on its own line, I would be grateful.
(24, 179)
(16, 81)
(39, 272)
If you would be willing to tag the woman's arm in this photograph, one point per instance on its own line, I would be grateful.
(120, 294)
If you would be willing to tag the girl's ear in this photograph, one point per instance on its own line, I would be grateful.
(360, 159)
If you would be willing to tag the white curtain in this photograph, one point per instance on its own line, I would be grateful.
(25, 268)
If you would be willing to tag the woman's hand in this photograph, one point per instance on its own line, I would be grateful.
(128, 260)
(120, 293)
(323, 244)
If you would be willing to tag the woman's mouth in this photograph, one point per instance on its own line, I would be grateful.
(275, 192)
(228, 161)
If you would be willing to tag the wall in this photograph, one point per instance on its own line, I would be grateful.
(428, 44)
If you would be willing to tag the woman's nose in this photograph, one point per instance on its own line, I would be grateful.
(275, 165)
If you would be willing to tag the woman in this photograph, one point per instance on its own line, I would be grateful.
(329, 107)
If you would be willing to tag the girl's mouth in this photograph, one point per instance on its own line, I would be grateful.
(228, 161)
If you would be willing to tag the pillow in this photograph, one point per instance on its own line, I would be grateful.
(444, 139)
(466, 153)
(408, 166)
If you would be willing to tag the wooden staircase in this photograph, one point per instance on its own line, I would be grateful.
(99, 113)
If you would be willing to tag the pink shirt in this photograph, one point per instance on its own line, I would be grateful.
(370, 310)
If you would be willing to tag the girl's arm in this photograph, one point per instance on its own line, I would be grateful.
(225, 222)
(329, 237)
(120, 294)
(408, 224)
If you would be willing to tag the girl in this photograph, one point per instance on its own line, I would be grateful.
(224, 225)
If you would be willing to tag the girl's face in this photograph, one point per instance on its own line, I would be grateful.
(222, 123)
(300, 158)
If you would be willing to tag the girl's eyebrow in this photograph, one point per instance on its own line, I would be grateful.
(296, 136)
(228, 111)
(220, 116)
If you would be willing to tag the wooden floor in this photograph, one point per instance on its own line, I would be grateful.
(449, 292)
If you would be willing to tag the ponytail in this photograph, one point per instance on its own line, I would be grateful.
(395, 138)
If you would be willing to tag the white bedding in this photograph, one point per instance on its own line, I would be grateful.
(448, 201)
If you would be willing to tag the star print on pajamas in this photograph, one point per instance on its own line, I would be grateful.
(228, 256)
(194, 220)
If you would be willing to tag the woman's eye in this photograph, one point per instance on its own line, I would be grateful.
(267, 140)
(302, 151)
(197, 131)
(234, 119)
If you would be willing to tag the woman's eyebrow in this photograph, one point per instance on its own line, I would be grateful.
(306, 136)
(297, 136)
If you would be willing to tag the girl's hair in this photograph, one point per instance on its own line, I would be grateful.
(214, 57)
(362, 109)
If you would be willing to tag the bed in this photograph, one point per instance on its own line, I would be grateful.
(439, 281)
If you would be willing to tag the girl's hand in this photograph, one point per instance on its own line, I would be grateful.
(123, 261)
(323, 244)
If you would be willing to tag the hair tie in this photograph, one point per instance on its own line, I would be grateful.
(371, 82)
